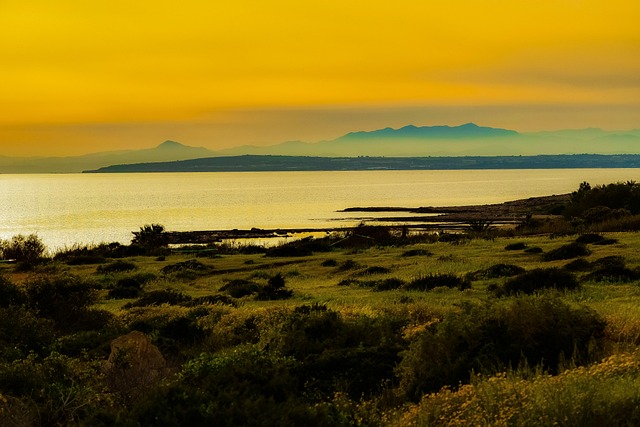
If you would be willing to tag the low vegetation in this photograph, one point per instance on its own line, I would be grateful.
(365, 329)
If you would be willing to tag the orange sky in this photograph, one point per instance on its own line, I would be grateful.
(80, 76)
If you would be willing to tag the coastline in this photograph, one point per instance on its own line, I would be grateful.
(427, 219)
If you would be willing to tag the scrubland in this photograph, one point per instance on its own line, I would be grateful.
(488, 328)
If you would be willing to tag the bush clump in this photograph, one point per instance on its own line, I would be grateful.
(388, 284)
(541, 278)
(497, 271)
(210, 300)
(428, 282)
(612, 269)
(515, 246)
(116, 267)
(22, 248)
(416, 252)
(602, 201)
(337, 353)
(568, 251)
(329, 263)
(533, 250)
(579, 264)
(274, 289)
(125, 288)
(605, 242)
(300, 248)
(191, 265)
(239, 288)
(11, 294)
(348, 265)
(66, 300)
(151, 237)
(489, 338)
(589, 238)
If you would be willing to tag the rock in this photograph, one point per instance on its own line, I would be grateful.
(135, 351)
(134, 364)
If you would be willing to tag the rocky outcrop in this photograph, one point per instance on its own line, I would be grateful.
(134, 365)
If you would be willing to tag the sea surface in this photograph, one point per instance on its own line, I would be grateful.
(67, 209)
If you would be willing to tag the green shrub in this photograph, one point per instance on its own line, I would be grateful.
(125, 288)
(95, 254)
(533, 250)
(589, 238)
(579, 264)
(191, 265)
(496, 271)
(388, 284)
(354, 355)
(303, 247)
(329, 263)
(365, 236)
(348, 265)
(492, 337)
(116, 267)
(60, 390)
(239, 288)
(65, 299)
(605, 242)
(251, 249)
(274, 289)
(568, 251)
(11, 294)
(416, 252)
(348, 282)
(95, 344)
(428, 282)
(621, 197)
(241, 387)
(21, 332)
(515, 246)
(612, 269)
(541, 278)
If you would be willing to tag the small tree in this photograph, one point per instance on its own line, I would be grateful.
(22, 248)
(274, 290)
(150, 236)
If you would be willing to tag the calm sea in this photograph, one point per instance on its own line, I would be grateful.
(94, 208)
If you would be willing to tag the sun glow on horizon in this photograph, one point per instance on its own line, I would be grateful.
(91, 63)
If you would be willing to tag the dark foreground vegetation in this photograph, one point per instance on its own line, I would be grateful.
(370, 328)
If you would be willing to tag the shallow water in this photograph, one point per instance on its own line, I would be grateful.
(92, 208)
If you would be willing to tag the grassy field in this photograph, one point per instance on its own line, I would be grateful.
(332, 313)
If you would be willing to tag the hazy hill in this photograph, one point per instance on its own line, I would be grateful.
(465, 140)
(167, 151)
(408, 141)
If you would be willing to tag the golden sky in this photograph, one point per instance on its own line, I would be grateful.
(81, 76)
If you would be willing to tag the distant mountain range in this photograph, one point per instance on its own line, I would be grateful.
(465, 140)
(167, 151)
(409, 141)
